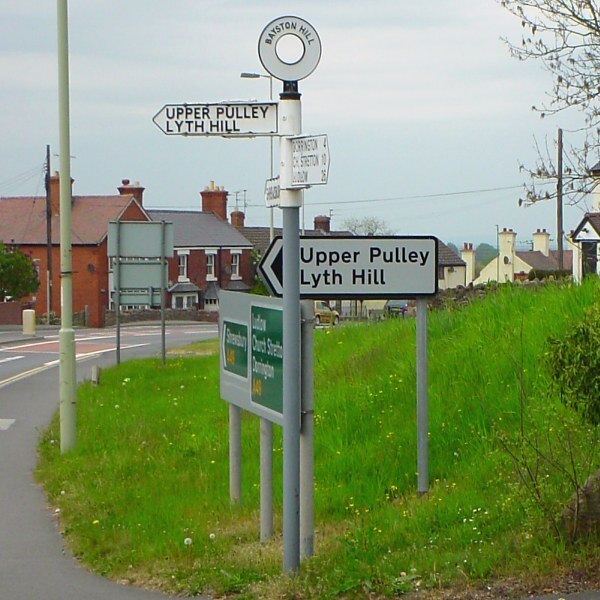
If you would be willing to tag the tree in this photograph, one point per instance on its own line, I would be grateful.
(366, 226)
(18, 276)
(564, 35)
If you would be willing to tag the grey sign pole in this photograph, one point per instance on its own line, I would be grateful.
(266, 480)
(291, 200)
(235, 454)
(163, 289)
(422, 399)
(117, 274)
(307, 488)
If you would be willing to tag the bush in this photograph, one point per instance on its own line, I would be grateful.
(574, 363)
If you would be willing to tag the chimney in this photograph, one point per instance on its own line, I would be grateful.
(55, 193)
(323, 223)
(214, 199)
(237, 219)
(506, 265)
(541, 242)
(135, 189)
(468, 255)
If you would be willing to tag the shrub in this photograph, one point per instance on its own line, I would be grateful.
(574, 363)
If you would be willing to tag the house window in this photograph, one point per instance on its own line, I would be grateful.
(210, 266)
(441, 273)
(235, 265)
(182, 261)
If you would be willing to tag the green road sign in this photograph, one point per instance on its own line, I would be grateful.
(235, 348)
(267, 357)
(251, 353)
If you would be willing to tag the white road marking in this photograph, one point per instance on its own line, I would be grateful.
(6, 423)
(10, 358)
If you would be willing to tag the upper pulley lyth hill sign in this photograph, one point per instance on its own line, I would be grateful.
(227, 119)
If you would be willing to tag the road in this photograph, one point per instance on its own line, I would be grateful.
(34, 565)
(23, 359)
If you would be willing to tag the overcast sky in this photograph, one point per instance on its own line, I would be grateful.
(424, 109)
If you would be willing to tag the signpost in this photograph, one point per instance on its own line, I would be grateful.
(310, 161)
(272, 192)
(226, 119)
(358, 267)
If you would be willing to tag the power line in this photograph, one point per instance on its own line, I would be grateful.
(18, 180)
(415, 197)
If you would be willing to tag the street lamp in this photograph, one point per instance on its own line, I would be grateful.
(270, 78)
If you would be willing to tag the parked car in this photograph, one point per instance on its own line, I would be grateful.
(325, 314)
(396, 308)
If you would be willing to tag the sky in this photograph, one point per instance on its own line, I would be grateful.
(427, 115)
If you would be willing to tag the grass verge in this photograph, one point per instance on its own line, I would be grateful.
(144, 496)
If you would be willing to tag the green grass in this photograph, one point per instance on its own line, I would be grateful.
(151, 464)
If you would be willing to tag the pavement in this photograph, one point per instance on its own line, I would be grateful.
(34, 563)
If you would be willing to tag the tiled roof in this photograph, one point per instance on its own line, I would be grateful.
(540, 262)
(200, 229)
(23, 219)
(447, 257)
(182, 287)
(593, 218)
(260, 238)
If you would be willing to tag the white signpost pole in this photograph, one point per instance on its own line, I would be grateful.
(290, 125)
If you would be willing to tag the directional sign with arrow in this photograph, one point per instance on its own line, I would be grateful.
(357, 267)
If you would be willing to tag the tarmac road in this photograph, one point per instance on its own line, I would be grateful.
(34, 565)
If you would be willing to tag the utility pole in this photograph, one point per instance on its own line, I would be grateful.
(48, 239)
(559, 201)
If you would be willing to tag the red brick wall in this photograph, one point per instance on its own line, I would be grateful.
(90, 275)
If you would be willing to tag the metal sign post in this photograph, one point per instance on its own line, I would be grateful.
(290, 201)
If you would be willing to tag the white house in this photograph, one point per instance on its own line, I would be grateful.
(585, 239)
(512, 264)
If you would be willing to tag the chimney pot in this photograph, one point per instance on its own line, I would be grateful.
(135, 190)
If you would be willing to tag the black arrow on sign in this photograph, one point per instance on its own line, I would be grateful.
(270, 268)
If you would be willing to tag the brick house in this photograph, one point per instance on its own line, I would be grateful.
(24, 223)
(210, 254)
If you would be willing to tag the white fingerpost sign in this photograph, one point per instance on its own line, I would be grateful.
(272, 189)
(226, 119)
(310, 160)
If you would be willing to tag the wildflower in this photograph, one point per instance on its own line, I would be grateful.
(95, 522)
(212, 537)
(187, 541)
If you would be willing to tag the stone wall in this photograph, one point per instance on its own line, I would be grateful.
(171, 314)
(11, 313)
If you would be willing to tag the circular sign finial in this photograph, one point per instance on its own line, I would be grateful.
(289, 48)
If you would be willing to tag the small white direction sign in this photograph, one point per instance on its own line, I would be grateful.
(227, 119)
(358, 267)
(310, 160)
(272, 192)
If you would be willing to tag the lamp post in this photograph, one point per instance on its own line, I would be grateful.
(270, 78)
(266, 427)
